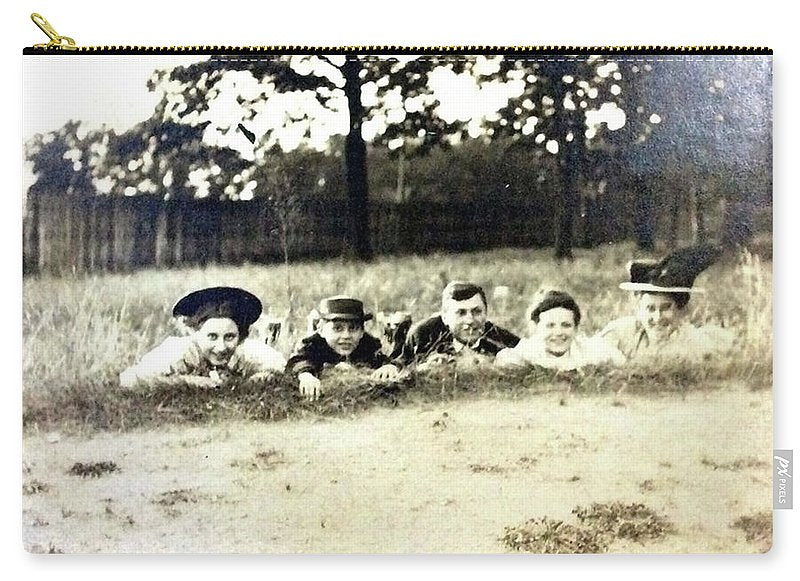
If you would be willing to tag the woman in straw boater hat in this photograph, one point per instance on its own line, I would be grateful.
(662, 289)
(216, 348)
(553, 342)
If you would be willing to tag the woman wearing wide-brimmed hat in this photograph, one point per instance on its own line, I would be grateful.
(216, 349)
(553, 341)
(662, 289)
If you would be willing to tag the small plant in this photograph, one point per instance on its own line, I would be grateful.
(173, 497)
(601, 525)
(487, 468)
(736, 465)
(264, 460)
(92, 469)
(34, 487)
(757, 529)
(50, 549)
(546, 535)
(629, 521)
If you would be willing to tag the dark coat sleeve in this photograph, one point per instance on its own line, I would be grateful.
(306, 357)
(422, 340)
(370, 353)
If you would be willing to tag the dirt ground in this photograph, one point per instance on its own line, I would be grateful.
(441, 478)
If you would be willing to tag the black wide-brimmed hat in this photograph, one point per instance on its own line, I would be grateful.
(342, 308)
(673, 274)
(245, 306)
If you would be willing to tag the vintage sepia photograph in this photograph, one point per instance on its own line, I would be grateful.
(510, 302)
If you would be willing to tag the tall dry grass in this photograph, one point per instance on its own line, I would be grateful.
(79, 333)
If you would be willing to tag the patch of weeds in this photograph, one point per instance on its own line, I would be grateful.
(647, 486)
(757, 529)
(173, 497)
(92, 469)
(487, 468)
(39, 522)
(629, 521)
(168, 500)
(527, 462)
(546, 535)
(600, 525)
(264, 460)
(34, 487)
(736, 465)
(50, 549)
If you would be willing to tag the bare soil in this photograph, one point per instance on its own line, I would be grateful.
(441, 478)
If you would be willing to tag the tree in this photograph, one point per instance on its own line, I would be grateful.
(391, 95)
(571, 106)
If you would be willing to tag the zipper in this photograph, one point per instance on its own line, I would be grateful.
(59, 43)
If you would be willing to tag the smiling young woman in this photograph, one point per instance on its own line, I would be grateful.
(216, 350)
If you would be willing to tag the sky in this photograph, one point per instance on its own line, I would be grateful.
(95, 90)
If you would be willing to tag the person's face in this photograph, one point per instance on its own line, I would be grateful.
(342, 336)
(466, 319)
(557, 329)
(658, 314)
(217, 339)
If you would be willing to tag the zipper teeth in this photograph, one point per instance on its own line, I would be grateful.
(464, 49)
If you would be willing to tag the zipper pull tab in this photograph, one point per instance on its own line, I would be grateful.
(56, 40)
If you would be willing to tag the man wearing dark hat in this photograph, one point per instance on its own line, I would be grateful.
(339, 342)
(216, 347)
(662, 289)
(461, 328)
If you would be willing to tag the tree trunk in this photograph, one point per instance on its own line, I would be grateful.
(698, 221)
(643, 215)
(567, 203)
(355, 155)
(674, 219)
(31, 234)
(738, 224)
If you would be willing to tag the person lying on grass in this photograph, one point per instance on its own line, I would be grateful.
(339, 343)
(553, 343)
(461, 332)
(660, 326)
(215, 351)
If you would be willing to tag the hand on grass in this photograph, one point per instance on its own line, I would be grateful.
(310, 386)
(202, 382)
(263, 375)
(385, 373)
(435, 360)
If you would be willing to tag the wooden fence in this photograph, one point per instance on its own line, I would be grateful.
(68, 233)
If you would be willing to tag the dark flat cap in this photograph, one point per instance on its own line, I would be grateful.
(342, 308)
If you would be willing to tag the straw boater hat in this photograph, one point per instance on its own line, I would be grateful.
(342, 308)
(245, 306)
(673, 274)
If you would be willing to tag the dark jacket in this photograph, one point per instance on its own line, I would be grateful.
(313, 353)
(432, 336)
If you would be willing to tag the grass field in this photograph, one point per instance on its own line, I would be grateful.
(79, 333)
(667, 459)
